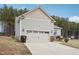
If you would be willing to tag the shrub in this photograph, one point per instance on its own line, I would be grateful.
(59, 38)
(66, 40)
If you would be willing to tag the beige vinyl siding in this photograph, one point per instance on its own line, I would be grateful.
(37, 14)
(36, 20)
(36, 25)
(17, 28)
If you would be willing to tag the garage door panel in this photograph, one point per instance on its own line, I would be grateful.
(31, 37)
(36, 37)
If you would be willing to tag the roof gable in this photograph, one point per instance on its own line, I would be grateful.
(57, 27)
(38, 12)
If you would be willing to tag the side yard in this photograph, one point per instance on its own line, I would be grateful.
(9, 46)
(72, 43)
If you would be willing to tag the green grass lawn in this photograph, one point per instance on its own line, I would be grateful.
(10, 46)
(72, 43)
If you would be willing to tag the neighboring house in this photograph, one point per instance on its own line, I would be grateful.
(36, 25)
(1, 27)
(57, 31)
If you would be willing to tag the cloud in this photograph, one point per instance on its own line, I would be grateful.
(74, 19)
(23, 7)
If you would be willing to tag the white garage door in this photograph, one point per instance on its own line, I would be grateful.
(37, 36)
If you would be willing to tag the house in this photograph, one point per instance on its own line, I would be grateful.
(36, 25)
(1, 27)
(57, 31)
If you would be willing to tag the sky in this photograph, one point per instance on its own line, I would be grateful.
(62, 10)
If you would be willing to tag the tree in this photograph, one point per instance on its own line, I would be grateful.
(7, 15)
(69, 28)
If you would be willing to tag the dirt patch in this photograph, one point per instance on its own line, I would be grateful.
(10, 46)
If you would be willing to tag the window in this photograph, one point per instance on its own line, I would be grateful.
(35, 31)
(55, 32)
(18, 21)
(22, 30)
(51, 31)
(22, 17)
(28, 31)
(46, 32)
(41, 32)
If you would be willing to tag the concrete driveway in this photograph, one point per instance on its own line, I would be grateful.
(51, 48)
